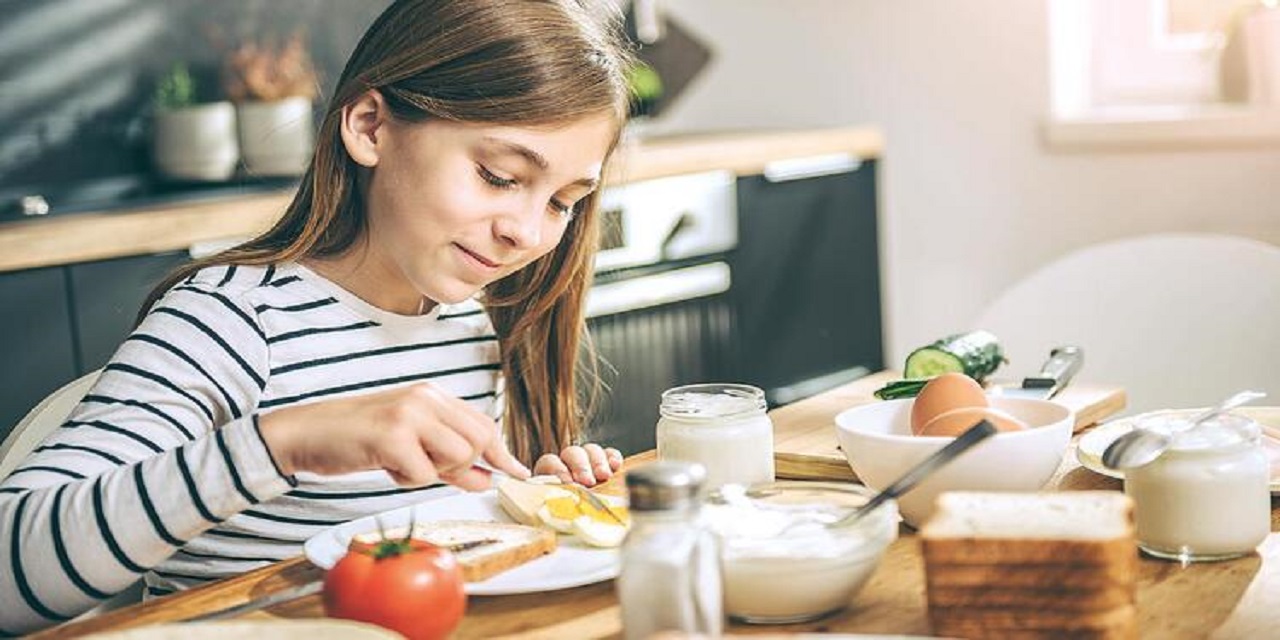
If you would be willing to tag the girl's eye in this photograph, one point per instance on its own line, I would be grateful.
(495, 180)
(561, 209)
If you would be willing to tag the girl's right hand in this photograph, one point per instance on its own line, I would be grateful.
(418, 434)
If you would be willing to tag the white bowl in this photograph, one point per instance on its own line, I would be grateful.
(877, 441)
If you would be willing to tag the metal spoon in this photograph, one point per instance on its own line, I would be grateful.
(1142, 446)
(975, 434)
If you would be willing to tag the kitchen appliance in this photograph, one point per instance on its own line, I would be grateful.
(659, 312)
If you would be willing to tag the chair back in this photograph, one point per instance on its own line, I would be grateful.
(1180, 320)
(40, 421)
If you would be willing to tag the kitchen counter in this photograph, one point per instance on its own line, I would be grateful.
(81, 237)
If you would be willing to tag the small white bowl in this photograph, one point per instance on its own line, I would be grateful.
(877, 441)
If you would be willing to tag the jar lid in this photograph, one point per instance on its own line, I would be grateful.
(665, 485)
(708, 401)
(1226, 430)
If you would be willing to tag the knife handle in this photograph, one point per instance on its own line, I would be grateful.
(1063, 363)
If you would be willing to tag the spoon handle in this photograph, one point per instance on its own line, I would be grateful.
(973, 435)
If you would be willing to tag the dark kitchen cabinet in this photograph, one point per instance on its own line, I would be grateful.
(806, 280)
(647, 351)
(62, 322)
(107, 295)
(35, 340)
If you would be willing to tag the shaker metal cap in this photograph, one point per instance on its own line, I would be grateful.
(665, 485)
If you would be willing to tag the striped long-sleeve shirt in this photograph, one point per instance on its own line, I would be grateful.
(161, 471)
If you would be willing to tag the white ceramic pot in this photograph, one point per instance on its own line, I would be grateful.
(197, 142)
(276, 137)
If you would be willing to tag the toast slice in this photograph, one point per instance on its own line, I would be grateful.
(1032, 576)
(492, 547)
(968, 622)
(521, 499)
(1069, 528)
(1082, 600)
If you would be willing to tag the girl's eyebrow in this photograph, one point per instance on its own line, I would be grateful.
(533, 157)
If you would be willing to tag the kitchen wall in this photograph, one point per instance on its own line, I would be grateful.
(78, 76)
(970, 197)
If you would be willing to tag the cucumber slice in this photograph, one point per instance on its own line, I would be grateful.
(975, 354)
(928, 362)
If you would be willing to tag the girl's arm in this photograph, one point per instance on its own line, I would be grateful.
(164, 447)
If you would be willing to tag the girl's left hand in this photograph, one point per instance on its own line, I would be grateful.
(586, 465)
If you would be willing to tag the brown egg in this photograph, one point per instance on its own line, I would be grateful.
(955, 422)
(942, 394)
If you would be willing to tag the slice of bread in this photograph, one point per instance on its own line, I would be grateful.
(521, 499)
(1099, 599)
(1069, 527)
(992, 622)
(1032, 576)
(498, 546)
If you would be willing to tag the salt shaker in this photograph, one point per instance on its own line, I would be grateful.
(670, 576)
(1207, 497)
(723, 427)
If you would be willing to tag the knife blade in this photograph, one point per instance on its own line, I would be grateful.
(292, 593)
(1054, 375)
(306, 589)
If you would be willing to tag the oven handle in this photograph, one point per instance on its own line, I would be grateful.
(658, 289)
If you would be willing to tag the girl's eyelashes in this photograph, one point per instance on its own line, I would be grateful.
(564, 210)
(494, 179)
(498, 182)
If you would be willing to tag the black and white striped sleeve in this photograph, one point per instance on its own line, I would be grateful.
(165, 446)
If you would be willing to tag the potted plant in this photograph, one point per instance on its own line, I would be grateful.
(273, 88)
(192, 141)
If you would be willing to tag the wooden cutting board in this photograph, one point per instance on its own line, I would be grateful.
(805, 446)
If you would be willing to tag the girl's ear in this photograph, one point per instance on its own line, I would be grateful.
(362, 127)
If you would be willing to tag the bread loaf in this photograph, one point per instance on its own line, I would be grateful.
(1032, 565)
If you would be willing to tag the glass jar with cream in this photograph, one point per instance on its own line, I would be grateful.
(1207, 497)
(780, 561)
(723, 427)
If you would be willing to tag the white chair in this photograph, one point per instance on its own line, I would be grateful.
(31, 431)
(42, 420)
(1180, 320)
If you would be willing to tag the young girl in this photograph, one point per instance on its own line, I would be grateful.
(419, 307)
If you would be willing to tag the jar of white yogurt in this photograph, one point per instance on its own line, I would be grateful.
(780, 561)
(723, 427)
(1207, 497)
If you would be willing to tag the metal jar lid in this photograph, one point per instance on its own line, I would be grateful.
(665, 485)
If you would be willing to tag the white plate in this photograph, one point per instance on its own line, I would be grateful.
(1091, 445)
(573, 564)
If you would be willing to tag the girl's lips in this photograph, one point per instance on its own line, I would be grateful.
(478, 258)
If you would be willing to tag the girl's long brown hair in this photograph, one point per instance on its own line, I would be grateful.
(512, 62)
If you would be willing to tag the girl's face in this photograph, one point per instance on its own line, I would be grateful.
(453, 207)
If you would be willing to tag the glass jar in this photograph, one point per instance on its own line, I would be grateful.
(1207, 497)
(780, 563)
(723, 427)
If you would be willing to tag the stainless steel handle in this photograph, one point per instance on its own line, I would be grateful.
(663, 288)
(810, 167)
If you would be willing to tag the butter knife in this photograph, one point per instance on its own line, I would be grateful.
(303, 590)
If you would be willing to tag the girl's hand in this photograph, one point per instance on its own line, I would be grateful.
(587, 464)
(417, 434)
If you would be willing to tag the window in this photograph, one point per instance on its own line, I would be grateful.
(1146, 61)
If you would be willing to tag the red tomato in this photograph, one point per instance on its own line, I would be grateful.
(409, 586)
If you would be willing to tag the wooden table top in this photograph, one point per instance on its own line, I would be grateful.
(1232, 599)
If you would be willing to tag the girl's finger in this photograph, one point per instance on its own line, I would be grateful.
(551, 464)
(615, 458)
(576, 458)
(599, 461)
